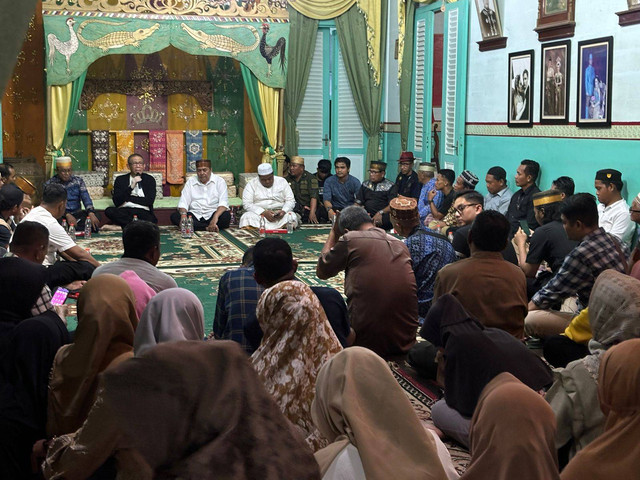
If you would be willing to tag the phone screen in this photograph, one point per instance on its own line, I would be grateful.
(525, 227)
(60, 296)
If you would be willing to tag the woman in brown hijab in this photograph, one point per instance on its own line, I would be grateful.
(107, 321)
(616, 453)
(512, 434)
(375, 432)
(197, 410)
(297, 341)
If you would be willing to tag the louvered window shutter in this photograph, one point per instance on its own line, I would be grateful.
(454, 84)
(314, 110)
(420, 74)
(348, 132)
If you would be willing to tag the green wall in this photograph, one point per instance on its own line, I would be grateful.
(576, 158)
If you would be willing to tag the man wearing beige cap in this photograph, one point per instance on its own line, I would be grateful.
(268, 197)
(427, 176)
(77, 195)
(304, 185)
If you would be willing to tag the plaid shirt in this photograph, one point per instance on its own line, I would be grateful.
(238, 295)
(76, 191)
(597, 252)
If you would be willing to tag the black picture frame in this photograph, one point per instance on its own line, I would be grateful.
(519, 91)
(593, 102)
(555, 78)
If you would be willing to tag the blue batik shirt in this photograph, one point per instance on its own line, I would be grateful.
(423, 201)
(238, 295)
(76, 192)
(429, 252)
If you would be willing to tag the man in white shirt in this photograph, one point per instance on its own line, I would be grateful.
(613, 211)
(205, 198)
(80, 264)
(269, 197)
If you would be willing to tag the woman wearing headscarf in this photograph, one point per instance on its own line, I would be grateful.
(374, 431)
(171, 315)
(512, 434)
(107, 320)
(141, 291)
(471, 355)
(297, 341)
(615, 453)
(614, 316)
(197, 410)
(28, 346)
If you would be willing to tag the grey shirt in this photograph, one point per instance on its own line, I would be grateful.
(153, 277)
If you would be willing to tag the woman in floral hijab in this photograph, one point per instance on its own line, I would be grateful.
(297, 341)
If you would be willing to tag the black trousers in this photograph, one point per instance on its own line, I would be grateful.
(64, 272)
(202, 223)
(560, 350)
(124, 215)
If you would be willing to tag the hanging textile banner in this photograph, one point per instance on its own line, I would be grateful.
(175, 155)
(100, 152)
(124, 145)
(194, 148)
(158, 153)
(74, 43)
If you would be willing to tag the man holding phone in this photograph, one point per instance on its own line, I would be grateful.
(521, 205)
(133, 194)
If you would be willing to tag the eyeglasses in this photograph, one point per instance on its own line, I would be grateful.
(631, 210)
(136, 163)
(375, 171)
(461, 208)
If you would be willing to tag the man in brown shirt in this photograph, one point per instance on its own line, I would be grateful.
(379, 282)
(488, 287)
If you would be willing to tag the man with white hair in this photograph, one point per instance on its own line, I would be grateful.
(269, 197)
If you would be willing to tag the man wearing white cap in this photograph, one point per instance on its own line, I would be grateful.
(76, 193)
(269, 197)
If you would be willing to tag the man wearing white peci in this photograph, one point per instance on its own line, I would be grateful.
(270, 197)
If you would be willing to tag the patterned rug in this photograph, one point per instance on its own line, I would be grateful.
(422, 396)
(198, 263)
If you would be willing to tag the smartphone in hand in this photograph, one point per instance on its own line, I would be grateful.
(60, 296)
(525, 227)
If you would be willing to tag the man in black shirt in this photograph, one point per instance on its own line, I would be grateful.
(407, 182)
(375, 194)
(323, 172)
(521, 206)
(548, 243)
(468, 204)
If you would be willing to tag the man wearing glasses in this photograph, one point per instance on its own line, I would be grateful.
(468, 204)
(375, 194)
(133, 194)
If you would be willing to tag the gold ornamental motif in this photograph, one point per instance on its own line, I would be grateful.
(117, 39)
(222, 42)
(219, 8)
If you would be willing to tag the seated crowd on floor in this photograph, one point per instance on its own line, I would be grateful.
(522, 307)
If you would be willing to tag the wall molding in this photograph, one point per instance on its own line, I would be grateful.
(618, 131)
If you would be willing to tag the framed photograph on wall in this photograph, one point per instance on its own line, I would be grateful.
(520, 102)
(554, 82)
(595, 61)
(555, 19)
(489, 18)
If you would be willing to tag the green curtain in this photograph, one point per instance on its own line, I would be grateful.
(76, 91)
(302, 39)
(352, 36)
(251, 85)
(407, 73)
